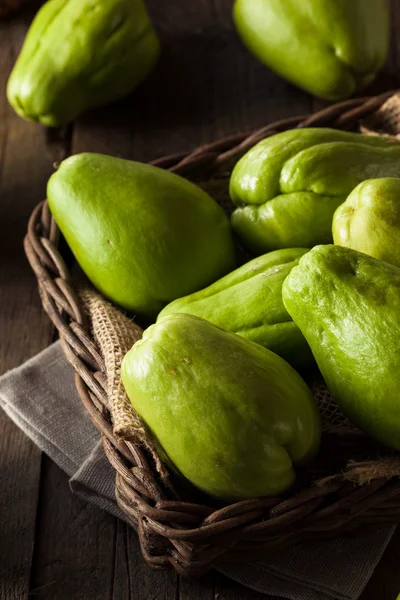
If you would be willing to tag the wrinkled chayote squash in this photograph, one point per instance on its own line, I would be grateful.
(369, 220)
(229, 415)
(347, 305)
(288, 186)
(80, 54)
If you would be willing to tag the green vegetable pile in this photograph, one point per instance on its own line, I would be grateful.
(214, 377)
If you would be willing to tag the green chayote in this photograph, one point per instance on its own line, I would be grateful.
(288, 186)
(231, 416)
(331, 48)
(143, 236)
(347, 305)
(80, 54)
(369, 220)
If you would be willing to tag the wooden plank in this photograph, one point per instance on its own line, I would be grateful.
(179, 107)
(120, 569)
(74, 554)
(25, 329)
(133, 579)
(198, 589)
(25, 168)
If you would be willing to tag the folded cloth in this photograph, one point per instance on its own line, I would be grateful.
(40, 397)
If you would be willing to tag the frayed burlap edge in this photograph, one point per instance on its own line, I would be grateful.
(363, 472)
(366, 471)
(385, 121)
(115, 335)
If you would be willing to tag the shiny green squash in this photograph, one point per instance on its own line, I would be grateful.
(230, 416)
(80, 54)
(143, 236)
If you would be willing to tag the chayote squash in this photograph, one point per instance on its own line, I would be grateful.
(369, 220)
(347, 305)
(229, 415)
(142, 235)
(248, 302)
(79, 54)
(288, 186)
(331, 48)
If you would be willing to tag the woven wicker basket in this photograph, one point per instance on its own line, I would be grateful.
(174, 533)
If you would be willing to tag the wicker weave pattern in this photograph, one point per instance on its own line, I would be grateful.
(192, 538)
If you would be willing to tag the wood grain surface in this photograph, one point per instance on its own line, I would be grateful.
(52, 544)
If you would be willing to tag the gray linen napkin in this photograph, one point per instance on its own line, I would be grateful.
(40, 397)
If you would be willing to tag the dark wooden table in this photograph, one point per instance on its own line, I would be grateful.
(53, 545)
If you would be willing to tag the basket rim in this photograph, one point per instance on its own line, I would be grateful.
(189, 537)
